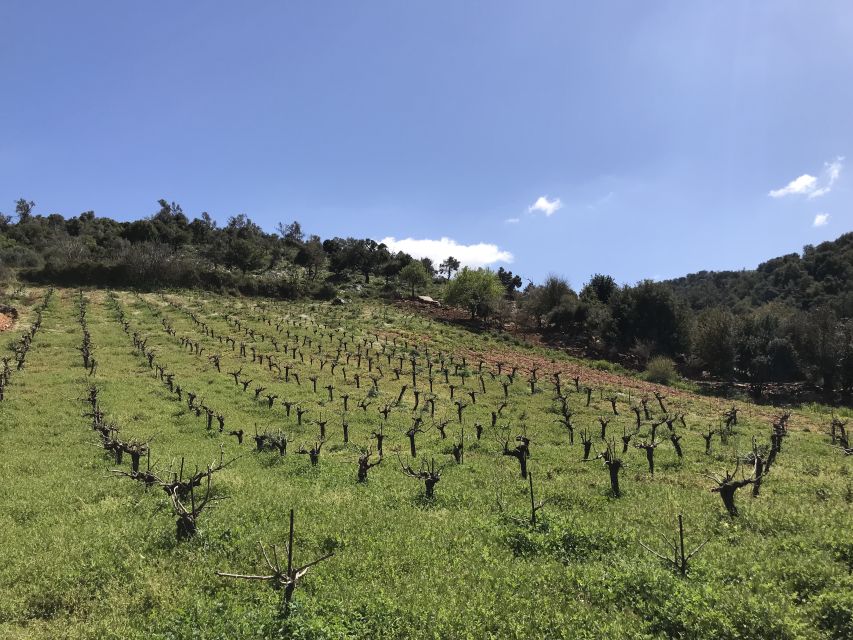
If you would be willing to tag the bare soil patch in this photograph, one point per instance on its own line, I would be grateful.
(8, 317)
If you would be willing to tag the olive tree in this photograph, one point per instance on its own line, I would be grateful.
(554, 298)
(477, 290)
(414, 275)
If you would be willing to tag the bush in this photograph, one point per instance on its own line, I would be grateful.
(834, 612)
(389, 291)
(326, 291)
(661, 370)
(642, 351)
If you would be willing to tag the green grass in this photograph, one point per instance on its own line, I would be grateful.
(89, 554)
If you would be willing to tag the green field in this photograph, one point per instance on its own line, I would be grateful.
(89, 553)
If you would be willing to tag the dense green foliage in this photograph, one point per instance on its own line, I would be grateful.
(661, 370)
(91, 554)
(169, 250)
(793, 337)
(477, 290)
(414, 275)
(821, 277)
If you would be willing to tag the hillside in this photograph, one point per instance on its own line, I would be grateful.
(122, 401)
(821, 276)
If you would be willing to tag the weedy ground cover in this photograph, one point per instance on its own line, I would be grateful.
(454, 485)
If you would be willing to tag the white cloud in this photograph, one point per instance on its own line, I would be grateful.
(821, 220)
(548, 207)
(831, 170)
(512, 220)
(811, 186)
(471, 255)
(804, 184)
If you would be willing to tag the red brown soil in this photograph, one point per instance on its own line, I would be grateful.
(6, 322)
(603, 383)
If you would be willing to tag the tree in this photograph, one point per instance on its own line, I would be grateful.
(24, 209)
(429, 266)
(846, 353)
(533, 306)
(244, 254)
(362, 255)
(541, 301)
(140, 231)
(714, 341)
(477, 290)
(509, 281)
(599, 288)
(311, 256)
(596, 321)
(414, 275)
(449, 266)
(202, 229)
(821, 346)
(291, 232)
(755, 332)
(650, 312)
(390, 264)
(565, 315)
(245, 245)
(171, 225)
(782, 359)
(393, 265)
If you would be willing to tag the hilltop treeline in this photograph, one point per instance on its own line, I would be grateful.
(821, 277)
(787, 320)
(774, 342)
(167, 249)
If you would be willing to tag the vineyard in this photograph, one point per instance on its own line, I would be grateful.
(179, 465)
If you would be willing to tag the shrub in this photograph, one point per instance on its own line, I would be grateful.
(834, 612)
(643, 350)
(325, 291)
(661, 370)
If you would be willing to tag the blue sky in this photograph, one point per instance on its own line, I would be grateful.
(653, 133)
